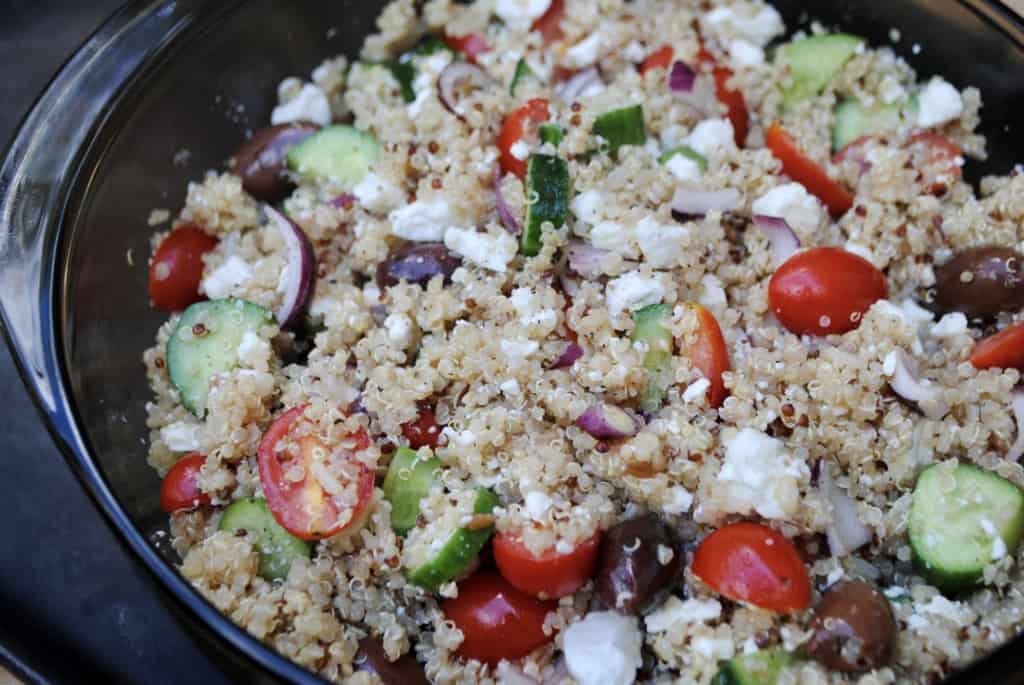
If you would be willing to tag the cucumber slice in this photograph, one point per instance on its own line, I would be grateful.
(276, 546)
(814, 61)
(205, 343)
(547, 190)
(650, 328)
(961, 519)
(757, 668)
(853, 120)
(409, 480)
(459, 551)
(621, 127)
(523, 72)
(339, 152)
(687, 152)
(550, 133)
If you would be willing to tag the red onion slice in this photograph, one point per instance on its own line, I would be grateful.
(586, 260)
(782, 238)
(508, 219)
(1017, 449)
(581, 84)
(904, 382)
(299, 273)
(606, 421)
(568, 357)
(681, 78)
(454, 80)
(344, 201)
(846, 532)
(688, 202)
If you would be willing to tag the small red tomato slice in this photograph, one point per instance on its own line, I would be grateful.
(1004, 350)
(177, 268)
(423, 431)
(520, 124)
(824, 290)
(551, 574)
(497, 620)
(940, 158)
(735, 103)
(180, 490)
(806, 172)
(303, 507)
(659, 59)
(550, 24)
(709, 354)
(472, 45)
(754, 564)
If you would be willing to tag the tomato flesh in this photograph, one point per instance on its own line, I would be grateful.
(709, 354)
(941, 157)
(755, 564)
(423, 431)
(1004, 350)
(824, 291)
(472, 45)
(303, 507)
(497, 620)
(659, 59)
(180, 489)
(518, 125)
(552, 574)
(550, 23)
(177, 268)
(807, 172)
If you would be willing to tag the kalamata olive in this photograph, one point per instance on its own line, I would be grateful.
(631, 576)
(260, 161)
(405, 671)
(417, 264)
(980, 282)
(853, 628)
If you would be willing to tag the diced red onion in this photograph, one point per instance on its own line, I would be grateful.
(904, 382)
(299, 273)
(606, 421)
(782, 238)
(681, 78)
(1017, 449)
(581, 84)
(568, 357)
(846, 532)
(454, 77)
(343, 201)
(689, 202)
(508, 219)
(586, 260)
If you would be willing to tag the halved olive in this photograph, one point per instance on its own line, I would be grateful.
(634, 572)
(417, 264)
(405, 671)
(260, 161)
(853, 628)
(981, 282)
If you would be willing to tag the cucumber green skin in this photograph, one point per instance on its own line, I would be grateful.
(547, 180)
(622, 127)
(340, 152)
(687, 152)
(459, 552)
(405, 493)
(758, 668)
(814, 61)
(276, 546)
(523, 71)
(405, 74)
(853, 121)
(550, 133)
(192, 361)
(952, 521)
(650, 328)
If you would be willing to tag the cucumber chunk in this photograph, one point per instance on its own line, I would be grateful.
(650, 328)
(276, 546)
(459, 551)
(853, 120)
(814, 61)
(962, 519)
(757, 668)
(205, 343)
(550, 133)
(687, 152)
(547, 190)
(409, 480)
(620, 127)
(338, 152)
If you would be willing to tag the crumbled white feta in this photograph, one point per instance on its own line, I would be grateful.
(309, 104)
(509, 387)
(662, 244)
(758, 26)
(520, 14)
(253, 351)
(759, 475)
(376, 194)
(791, 201)
(603, 649)
(537, 504)
(938, 103)
(712, 293)
(181, 436)
(697, 390)
(679, 500)
(587, 206)
(422, 221)
(224, 281)
(711, 135)
(684, 168)
(492, 252)
(940, 606)
(612, 236)
(519, 349)
(520, 150)
(428, 69)
(677, 612)
(584, 53)
(634, 51)
(713, 648)
(632, 291)
(745, 54)
(399, 328)
(950, 325)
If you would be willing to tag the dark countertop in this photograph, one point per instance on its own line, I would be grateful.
(70, 596)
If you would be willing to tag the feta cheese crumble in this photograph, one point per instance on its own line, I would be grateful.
(661, 244)
(792, 202)
(309, 104)
(378, 195)
(587, 206)
(757, 26)
(227, 278)
(712, 135)
(603, 649)
(181, 436)
(745, 54)
(520, 14)
(632, 291)
(938, 103)
(759, 475)
(492, 252)
(422, 221)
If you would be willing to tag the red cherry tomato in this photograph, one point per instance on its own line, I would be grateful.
(423, 431)
(735, 103)
(551, 574)
(303, 507)
(471, 45)
(754, 564)
(824, 290)
(806, 172)
(941, 159)
(520, 124)
(659, 59)
(180, 490)
(177, 268)
(497, 620)
(710, 355)
(550, 24)
(1004, 350)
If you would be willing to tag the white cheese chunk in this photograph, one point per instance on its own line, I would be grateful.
(758, 26)
(696, 391)
(517, 350)
(520, 14)
(614, 237)
(759, 475)
(584, 53)
(225, 280)
(181, 436)
(309, 104)
(537, 504)
(677, 612)
(661, 244)
(254, 352)
(791, 201)
(399, 328)
(422, 221)
(492, 252)
(587, 206)
(712, 135)
(684, 168)
(632, 291)
(713, 648)
(603, 649)
(938, 103)
(950, 325)
(378, 195)
(520, 150)
(745, 54)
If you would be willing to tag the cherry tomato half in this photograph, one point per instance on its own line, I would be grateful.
(423, 431)
(709, 354)
(472, 45)
(659, 59)
(550, 24)
(939, 158)
(552, 574)
(303, 507)
(807, 172)
(180, 489)
(1004, 350)
(177, 268)
(497, 620)
(520, 124)
(754, 564)
(824, 290)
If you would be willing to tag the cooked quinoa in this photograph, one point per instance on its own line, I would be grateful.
(477, 346)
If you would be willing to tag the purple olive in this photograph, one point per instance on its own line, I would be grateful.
(417, 264)
(260, 161)
(631, 577)
(981, 282)
(405, 671)
(853, 628)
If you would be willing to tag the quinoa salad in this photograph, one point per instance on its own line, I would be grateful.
(558, 341)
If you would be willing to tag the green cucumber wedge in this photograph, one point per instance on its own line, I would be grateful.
(342, 153)
(205, 343)
(961, 520)
(853, 120)
(620, 127)
(814, 61)
(650, 328)
(547, 192)
(757, 668)
(408, 480)
(550, 133)
(457, 554)
(276, 546)
(688, 152)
